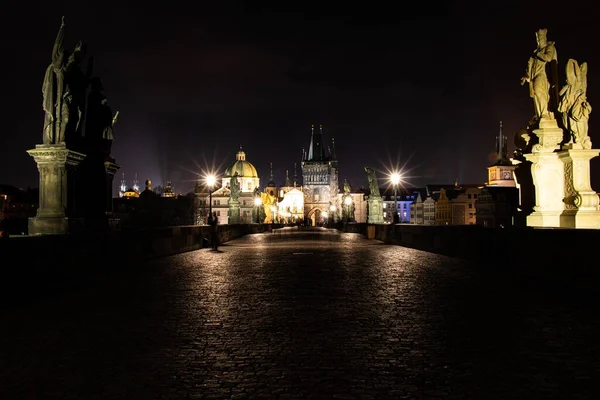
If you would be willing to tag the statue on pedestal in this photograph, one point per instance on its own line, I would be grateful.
(574, 106)
(373, 185)
(234, 186)
(539, 86)
(99, 119)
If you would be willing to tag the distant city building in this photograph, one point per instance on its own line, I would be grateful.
(168, 191)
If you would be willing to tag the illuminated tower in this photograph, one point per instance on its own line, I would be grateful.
(136, 184)
(319, 178)
(123, 187)
(501, 172)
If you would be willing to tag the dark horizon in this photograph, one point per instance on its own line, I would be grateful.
(422, 92)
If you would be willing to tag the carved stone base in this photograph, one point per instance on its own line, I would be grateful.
(581, 201)
(53, 161)
(234, 212)
(544, 219)
(580, 219)
(547, 171)
(48, 225)
(375, 211)
(550, 136)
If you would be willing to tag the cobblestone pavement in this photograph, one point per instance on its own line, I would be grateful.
(306, 315)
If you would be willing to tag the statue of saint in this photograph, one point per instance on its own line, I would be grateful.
(63, 91)
(347, 188)
(99, 118)
(234, 186)
(373, 185)
(574, 106)
(539, 86)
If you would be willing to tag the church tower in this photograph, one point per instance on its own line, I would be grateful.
(319, 177)
(501, 172)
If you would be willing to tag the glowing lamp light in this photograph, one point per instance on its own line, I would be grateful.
(395, 178)
(348, 200)
(211, 180)
(332, 208)
(257, 201)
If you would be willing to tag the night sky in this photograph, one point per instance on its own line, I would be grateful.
(422, 88)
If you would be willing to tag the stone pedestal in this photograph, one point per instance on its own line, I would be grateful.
(53, 163)
(375, 210)
(234, 212)
(547, 171)
(581, 202)
(111, 169)
(526, 190)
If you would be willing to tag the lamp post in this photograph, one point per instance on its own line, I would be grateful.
(210, 182)
(257, 203)
(395, 178)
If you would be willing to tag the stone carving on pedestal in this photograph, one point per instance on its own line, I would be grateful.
(374, 202)
(76, 170)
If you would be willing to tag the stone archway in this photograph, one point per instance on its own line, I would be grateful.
(315, 216)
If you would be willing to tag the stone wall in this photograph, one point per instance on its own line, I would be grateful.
(35, 265)
(551, 253)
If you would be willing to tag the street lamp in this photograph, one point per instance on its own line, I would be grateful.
(210, 182)
(257, 203)
(395, 178)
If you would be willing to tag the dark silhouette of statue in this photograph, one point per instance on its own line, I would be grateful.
(99, 119)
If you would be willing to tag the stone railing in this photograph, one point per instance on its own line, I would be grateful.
(553, 253)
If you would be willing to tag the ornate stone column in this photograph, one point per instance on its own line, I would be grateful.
(375, 210)
(111, 169)
(234, 212)
(581, 202)
(547, 171)
(53, 161)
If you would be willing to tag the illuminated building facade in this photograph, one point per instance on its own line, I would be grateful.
(320, 182)
(248, 182)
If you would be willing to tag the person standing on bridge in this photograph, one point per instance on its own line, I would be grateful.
(214, 235)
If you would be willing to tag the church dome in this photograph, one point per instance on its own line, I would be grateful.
(243, 168)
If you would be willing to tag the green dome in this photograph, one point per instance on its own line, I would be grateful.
(243, 168)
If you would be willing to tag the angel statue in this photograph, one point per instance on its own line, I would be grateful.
(574, 106)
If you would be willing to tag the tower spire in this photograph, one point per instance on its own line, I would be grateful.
(315, 150)
(501, 146)
(295, 175)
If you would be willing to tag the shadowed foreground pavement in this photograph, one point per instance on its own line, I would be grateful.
(304, 315)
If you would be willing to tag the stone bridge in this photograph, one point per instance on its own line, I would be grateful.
(293, 314)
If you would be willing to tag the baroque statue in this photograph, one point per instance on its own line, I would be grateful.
(536, 76)
(373, 185)
(347, 188)
(99, 118)
(234, 186)
(63, 91)
(574, 106)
